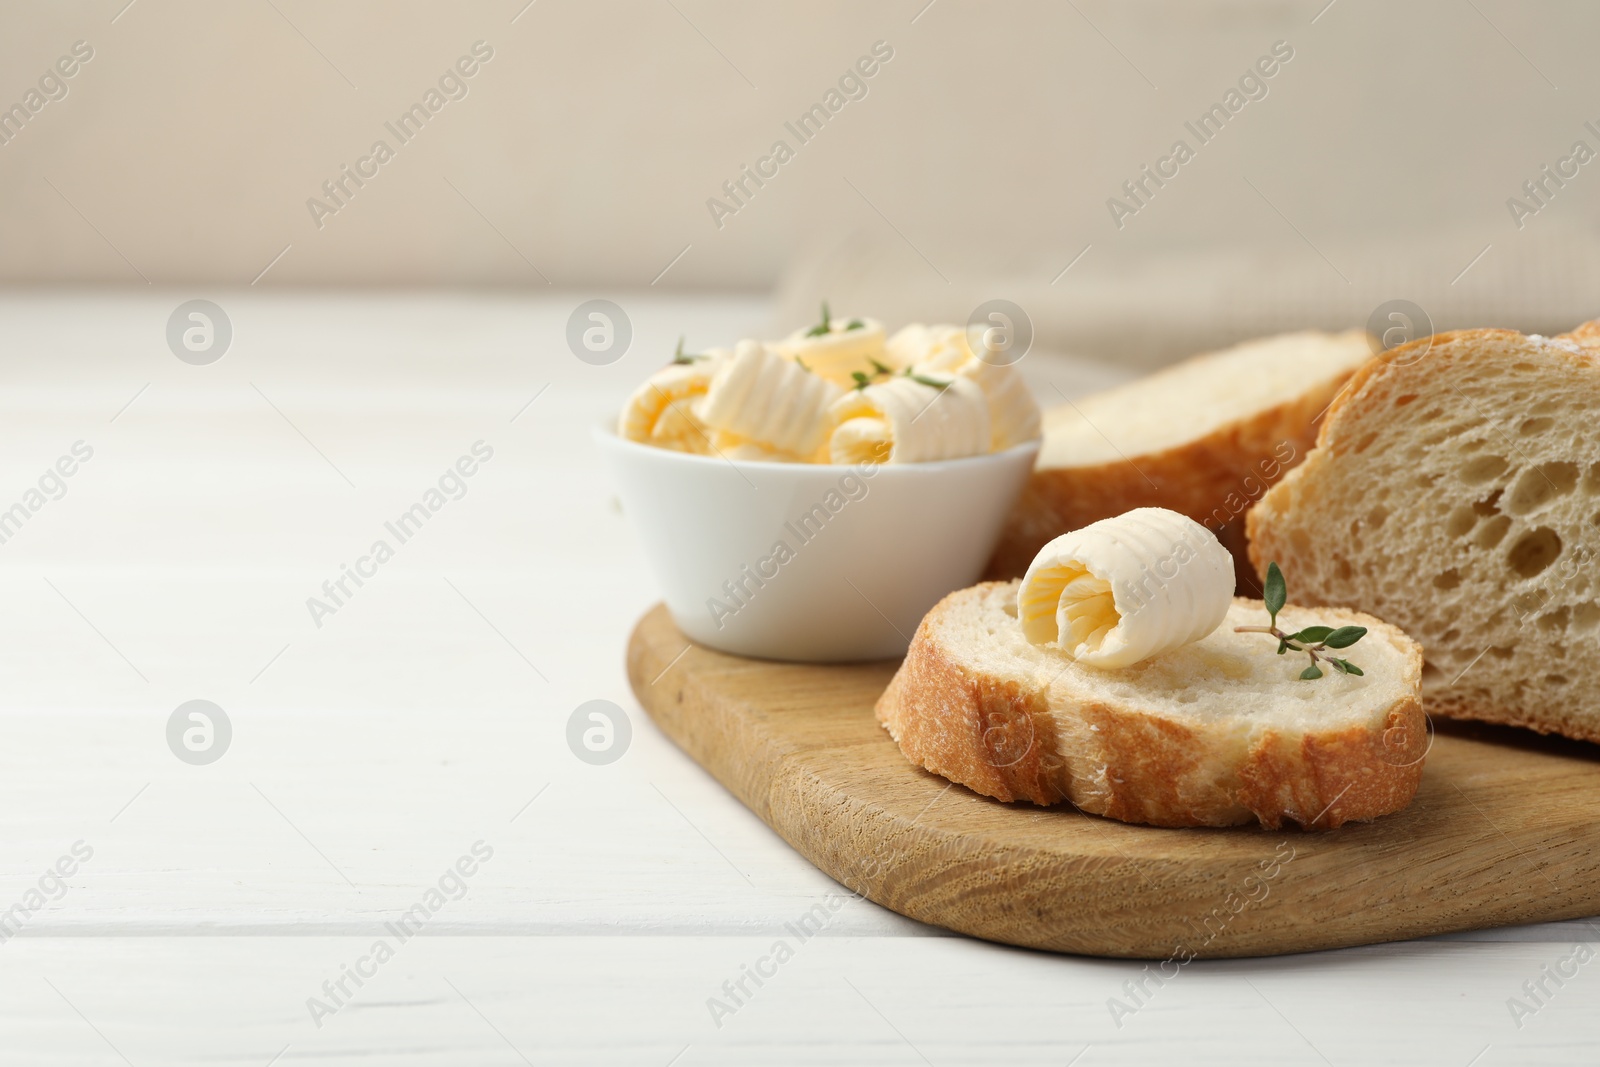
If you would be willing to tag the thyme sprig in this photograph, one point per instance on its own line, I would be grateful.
(825, 327)
(1314, 641)
(680, 356)
(923, 379)
(863, 379)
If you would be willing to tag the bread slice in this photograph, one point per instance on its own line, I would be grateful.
(1455, 492)
(1204, 438)
(1215, 733)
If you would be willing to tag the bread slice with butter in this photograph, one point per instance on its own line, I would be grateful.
(1204, 438)
(1455, 492)
(1219, 732)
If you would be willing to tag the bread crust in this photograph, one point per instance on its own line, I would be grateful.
(1001, 740)
(991, 735)
(1460, 706)
(1587, 335)
(1211, 479)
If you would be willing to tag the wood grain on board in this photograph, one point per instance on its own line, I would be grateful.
(1505, 829)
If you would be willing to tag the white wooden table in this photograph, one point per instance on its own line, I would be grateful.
(428, 713)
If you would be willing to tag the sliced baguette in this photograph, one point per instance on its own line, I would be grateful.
(1455, 491)
(1204, 438)
(1216, 733)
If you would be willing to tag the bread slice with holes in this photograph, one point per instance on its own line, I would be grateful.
(1455, 492)
(1204, 438)
(1216, 733)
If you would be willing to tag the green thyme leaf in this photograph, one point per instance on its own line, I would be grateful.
(1345, 636)
(855, 324)
(1283, 646)
(1310, 672)
(1275, 592)
(1349, 668)
(1312, 634)
(825, 326)
(922, 379)
(680, 356)
(863, 379)
(802, 364)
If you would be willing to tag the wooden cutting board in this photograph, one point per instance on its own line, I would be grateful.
(1505, 829)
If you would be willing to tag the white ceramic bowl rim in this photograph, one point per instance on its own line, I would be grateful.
(609, 430)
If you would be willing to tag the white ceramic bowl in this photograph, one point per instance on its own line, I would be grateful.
(811, 562)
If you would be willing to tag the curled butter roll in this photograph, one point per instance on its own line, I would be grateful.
(761, 397)
(841, 352)
(1013, 412)
(936, 348)
(904, 420)
(1122, 590)
(661, 411)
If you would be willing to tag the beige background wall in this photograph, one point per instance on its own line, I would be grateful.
(585, 150)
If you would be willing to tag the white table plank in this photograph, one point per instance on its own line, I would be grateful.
(644, 1000)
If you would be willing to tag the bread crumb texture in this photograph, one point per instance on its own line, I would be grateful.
(1455, 492)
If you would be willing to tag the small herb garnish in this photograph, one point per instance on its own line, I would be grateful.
(923, 379)
(1314, 641)
(680, 356)
(823, 327)
(855, 324)
(863, 379)
(802, 364)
